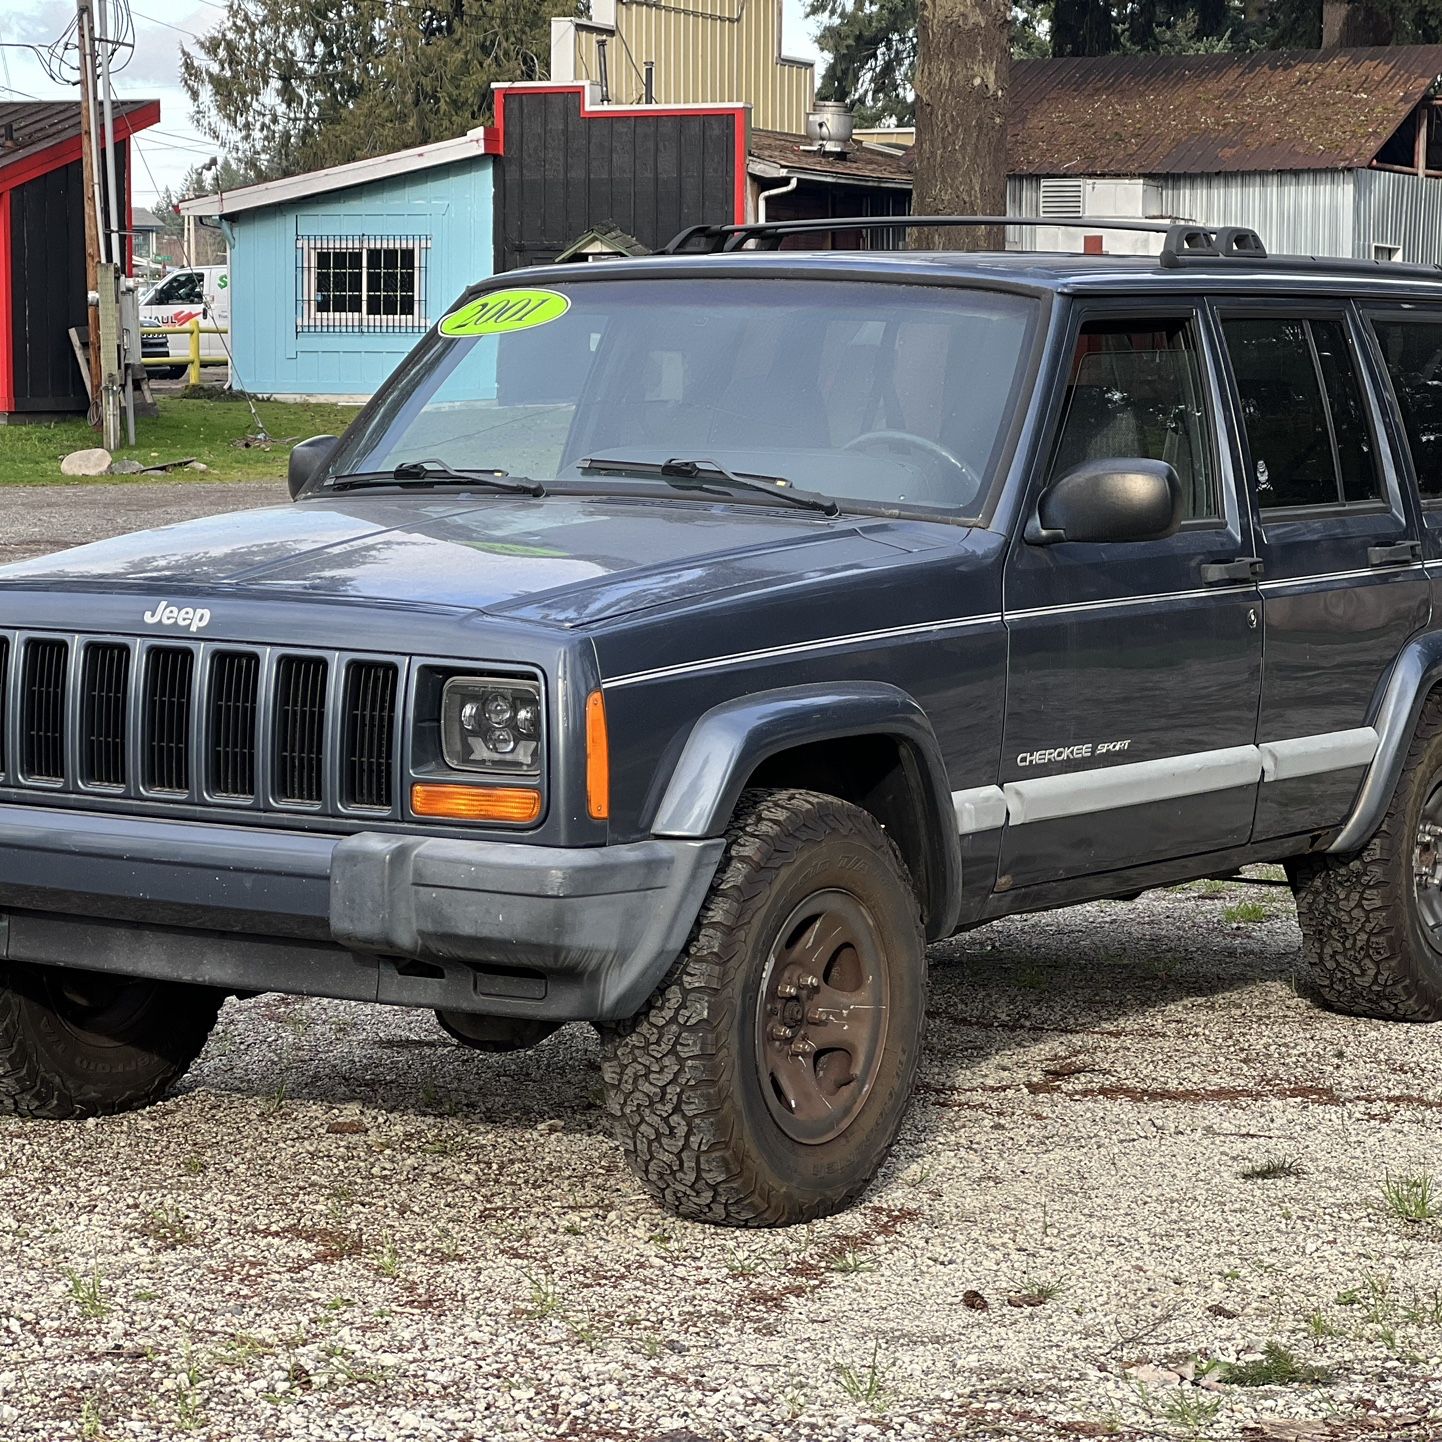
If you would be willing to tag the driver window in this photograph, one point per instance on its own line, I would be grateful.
(182, 289)
(1135, 391)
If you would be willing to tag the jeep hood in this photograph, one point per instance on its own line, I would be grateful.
(564, 560)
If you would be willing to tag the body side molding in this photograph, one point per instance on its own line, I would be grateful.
(728, 742)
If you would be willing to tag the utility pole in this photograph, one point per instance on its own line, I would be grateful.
(102, 264)
(85, 35)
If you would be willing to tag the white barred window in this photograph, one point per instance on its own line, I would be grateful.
(361, 282)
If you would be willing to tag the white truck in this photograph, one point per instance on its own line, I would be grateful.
(200, 292)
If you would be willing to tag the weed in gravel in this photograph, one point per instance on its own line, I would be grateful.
(1035, 1292)
(1245, 911)
(388, 1260)
(1276, 1367)
(272, 1105)
(189, 1414)
(92, 1424)
(1412, 1198)
(545, 1298)
(651, 1346)
(193, 1165)
(242, 1347)
(88, 1293)
(591, 1335)
(866, 1386)
(850, 1261)
(1320, 1326)
(1271, 1169)
(168, 1227)
(740, 1266)
(1191, 1410)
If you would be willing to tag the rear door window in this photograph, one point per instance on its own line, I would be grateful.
(1307, 432)
(1412, 352)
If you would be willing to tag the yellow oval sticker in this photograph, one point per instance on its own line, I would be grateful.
(503, 311)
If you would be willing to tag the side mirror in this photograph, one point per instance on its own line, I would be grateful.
(306, 460)
(1114, 500)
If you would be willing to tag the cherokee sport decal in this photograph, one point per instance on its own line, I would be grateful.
(192, 618)
(503, 311)
(1051, 755)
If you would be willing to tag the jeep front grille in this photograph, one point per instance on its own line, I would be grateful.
(104, 695)
(234, 698)
(370, 720)
(180, 725)
(42, 710)
(165, 718)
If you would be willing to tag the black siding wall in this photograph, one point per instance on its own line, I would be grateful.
(47, 257)
(648, 174)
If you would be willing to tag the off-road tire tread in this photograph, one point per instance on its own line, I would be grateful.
(667, 1071)
(29, 1090)
(1354, 914)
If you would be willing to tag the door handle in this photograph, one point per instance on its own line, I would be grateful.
(1248, 568)
(1402, 554)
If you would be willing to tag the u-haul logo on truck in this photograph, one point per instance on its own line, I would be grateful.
(191, 618)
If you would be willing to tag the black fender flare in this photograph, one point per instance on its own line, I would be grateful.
(1413, 675)
(728, 742)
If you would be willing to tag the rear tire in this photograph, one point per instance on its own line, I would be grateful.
(1372, 923)
(81, 1044)
(766, 1079)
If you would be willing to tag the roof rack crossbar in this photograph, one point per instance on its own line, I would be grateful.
(1184, 243)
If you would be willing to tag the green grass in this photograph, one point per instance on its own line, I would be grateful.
(1412, 1198)
(203, 429)
(1245, 911)
(1276, 1367)
(1272, 1168)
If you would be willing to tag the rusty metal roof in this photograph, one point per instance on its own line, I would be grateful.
(1199, 114)
(29, 126)
(865, 163)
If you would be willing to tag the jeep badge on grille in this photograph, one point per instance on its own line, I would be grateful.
(193, 618)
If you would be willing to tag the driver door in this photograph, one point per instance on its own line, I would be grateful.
(1135, 668)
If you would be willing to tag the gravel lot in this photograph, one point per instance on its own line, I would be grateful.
(346, 1226)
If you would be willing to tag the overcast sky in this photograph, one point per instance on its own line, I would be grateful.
(167, 151)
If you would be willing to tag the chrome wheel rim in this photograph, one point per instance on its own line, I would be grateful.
(821, 1017)
(1427, 868)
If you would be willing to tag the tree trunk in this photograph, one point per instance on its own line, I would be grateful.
(962, 65)
(1355, 22)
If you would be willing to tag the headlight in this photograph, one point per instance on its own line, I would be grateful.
(490, 724)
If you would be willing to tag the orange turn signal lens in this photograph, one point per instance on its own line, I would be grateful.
(598, 759)
(475, 803)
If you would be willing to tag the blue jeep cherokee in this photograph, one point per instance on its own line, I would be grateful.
(681, 644)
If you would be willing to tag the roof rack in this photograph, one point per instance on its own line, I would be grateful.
(1184, 243)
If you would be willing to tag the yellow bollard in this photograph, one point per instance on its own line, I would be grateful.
(193, 327)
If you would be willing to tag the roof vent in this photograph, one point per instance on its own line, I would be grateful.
(1060, 197)
(829, 127)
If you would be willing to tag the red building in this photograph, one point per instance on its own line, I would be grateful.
(42, 249)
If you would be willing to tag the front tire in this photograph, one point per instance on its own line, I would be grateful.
(1372, 923)
(80, 1043)
(765, 1081)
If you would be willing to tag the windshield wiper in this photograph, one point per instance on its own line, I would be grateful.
(435, 472)
(688, 474)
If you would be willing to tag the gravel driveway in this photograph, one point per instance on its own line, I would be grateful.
(1135, 1150)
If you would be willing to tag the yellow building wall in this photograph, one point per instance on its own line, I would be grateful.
(705, 51)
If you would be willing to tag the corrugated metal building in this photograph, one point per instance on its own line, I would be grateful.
(1321, 152)
(702, 51)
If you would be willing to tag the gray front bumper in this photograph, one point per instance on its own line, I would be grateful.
(493, 927)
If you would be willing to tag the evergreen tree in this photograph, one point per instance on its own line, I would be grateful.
(293, 85)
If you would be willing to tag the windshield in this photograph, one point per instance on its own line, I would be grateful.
(875, 393)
